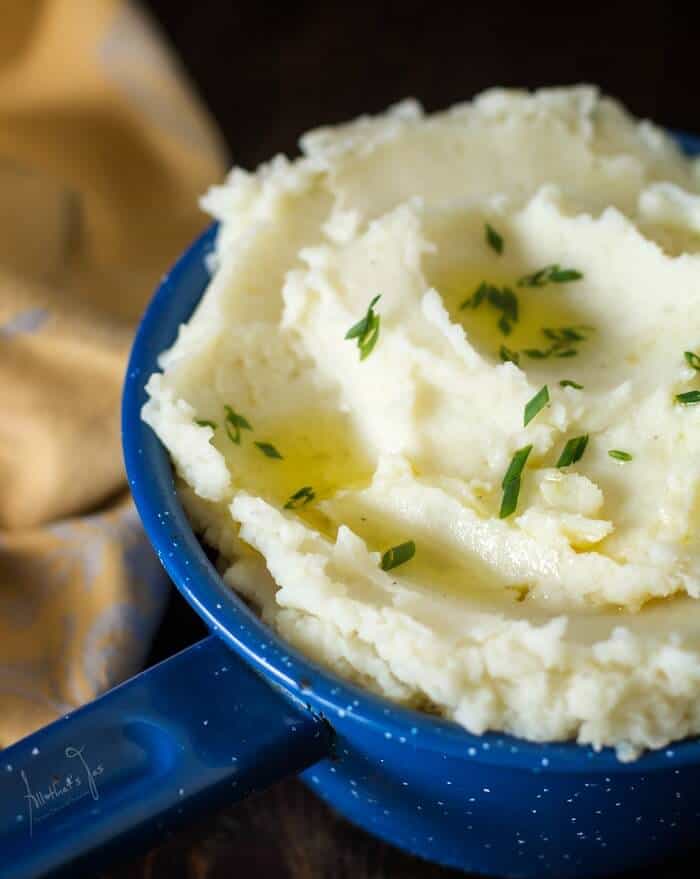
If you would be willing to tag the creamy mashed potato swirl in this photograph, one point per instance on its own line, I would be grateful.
(517, 242)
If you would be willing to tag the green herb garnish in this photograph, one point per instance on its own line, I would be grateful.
(477, 297)
(564, 335)
(689, 398)
(203, 422)
(619, 455)
(561, 339)
(567, 383)
(234, 424)
(493, 239)
(268, 450)
(501, 298)
(511, 482)
(573, 451)
(536, 353)
(398, 555)
(552, 274)
(535, 405)
(505, 301)
(692, 359)
(300, 498)
(564, 276)
(366, 331)
(508, 356)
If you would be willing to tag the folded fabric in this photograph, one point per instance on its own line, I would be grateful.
(103, 152)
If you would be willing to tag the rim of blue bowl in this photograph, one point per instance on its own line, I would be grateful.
(150, 477)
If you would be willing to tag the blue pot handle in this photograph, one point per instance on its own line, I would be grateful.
(199, 730)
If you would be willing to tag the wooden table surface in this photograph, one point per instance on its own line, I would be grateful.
(287, 833)
(268, 71)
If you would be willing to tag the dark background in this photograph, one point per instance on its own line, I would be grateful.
(268, 72)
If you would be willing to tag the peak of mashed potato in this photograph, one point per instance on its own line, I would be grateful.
(577, 614)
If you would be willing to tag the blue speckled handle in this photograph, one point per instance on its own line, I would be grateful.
(198, 730)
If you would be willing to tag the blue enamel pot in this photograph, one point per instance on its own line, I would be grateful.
(241, 709)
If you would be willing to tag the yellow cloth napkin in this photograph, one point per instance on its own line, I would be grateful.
(103, 152)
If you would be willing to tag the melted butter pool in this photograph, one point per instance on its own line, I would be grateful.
(551, 307)
(319, 449)
(322, 450)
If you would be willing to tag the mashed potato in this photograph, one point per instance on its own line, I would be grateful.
(479, 492)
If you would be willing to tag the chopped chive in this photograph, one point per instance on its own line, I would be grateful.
(362, 326)
(561, 339)
(536, 279)
(477, 297)
(552, 274)
(564, 334)
(300, 498)
(268, 450)
(509, 501)
(619, 455)
(366, 331)
(535, 405)
(234, 424)
(203, 422)
(367, 343)
(511, 482)
(563, 276)
(510, 303)
(689, 398)
(481, 292)
(573, 451)
(508, 356)
(501, 298)
(505, 300)
(568, 383)
(493, 239)
(398, 555)
(515, 468)
(692, 359)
